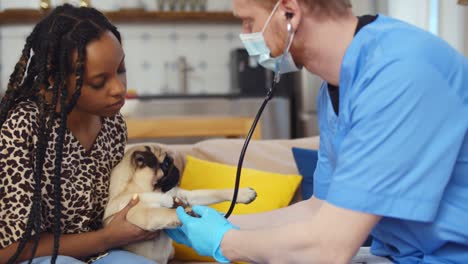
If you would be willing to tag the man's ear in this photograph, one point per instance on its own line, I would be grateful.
(292, 11)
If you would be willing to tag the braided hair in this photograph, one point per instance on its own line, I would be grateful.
(48, 54)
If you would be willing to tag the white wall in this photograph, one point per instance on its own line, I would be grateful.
(364, 7)
(452, 18)
(453, 24)
(415, 12)
(466, 34)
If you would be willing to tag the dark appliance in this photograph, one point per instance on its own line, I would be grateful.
(250, 79)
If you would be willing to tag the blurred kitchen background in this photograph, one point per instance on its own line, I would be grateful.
(184, 57)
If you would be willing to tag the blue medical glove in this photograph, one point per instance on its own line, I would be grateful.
(178, 236)
(204, 234)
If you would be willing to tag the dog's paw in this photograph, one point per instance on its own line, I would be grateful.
(246, 195)
(180, 202)
(189, 211)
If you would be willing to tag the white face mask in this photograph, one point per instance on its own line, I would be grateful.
(256, 47)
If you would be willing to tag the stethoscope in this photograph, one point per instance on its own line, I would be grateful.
(268, 97)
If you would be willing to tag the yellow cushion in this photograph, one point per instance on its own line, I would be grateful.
(273, 191)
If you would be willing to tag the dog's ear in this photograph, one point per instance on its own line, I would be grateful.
(159, 151)
(122, 173)
(179, 160)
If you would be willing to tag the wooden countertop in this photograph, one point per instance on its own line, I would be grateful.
(191, 126)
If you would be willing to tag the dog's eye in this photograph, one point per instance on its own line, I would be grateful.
(140, 160)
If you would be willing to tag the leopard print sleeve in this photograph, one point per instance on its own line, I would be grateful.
(16, 171)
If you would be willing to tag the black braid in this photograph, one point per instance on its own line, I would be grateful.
(53, 41)
(58, 168)
(79, 77)
(43, 132)
(40, 157)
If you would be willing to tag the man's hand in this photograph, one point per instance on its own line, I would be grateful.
(203, 233)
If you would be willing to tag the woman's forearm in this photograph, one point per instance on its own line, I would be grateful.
(74, 245)
(277, 217)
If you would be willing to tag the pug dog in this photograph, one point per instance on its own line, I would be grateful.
(153, 173)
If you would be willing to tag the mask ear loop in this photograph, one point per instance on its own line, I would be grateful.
(285, 52)
(271, 16)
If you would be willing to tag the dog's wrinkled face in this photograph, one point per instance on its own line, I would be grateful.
(153, 160)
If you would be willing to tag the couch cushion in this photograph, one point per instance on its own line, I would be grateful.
(266, 155)
(306, 161)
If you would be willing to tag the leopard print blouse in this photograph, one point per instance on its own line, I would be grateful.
(85, 174)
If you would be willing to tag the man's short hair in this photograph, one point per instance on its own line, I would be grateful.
(331, 7)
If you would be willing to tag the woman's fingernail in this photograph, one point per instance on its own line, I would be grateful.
(135, 196)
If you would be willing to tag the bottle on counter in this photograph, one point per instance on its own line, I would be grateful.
(85, 3)
(45, 5)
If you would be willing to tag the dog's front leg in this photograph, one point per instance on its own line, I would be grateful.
(153, 212)
(156, 199)
(153, 219)
(207, 197)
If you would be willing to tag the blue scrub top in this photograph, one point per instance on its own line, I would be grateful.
(399, 147)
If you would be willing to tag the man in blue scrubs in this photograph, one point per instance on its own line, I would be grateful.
(393, 158)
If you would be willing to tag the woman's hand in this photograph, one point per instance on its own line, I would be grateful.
(121, 232)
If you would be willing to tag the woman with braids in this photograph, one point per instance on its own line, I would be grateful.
(60, 135)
